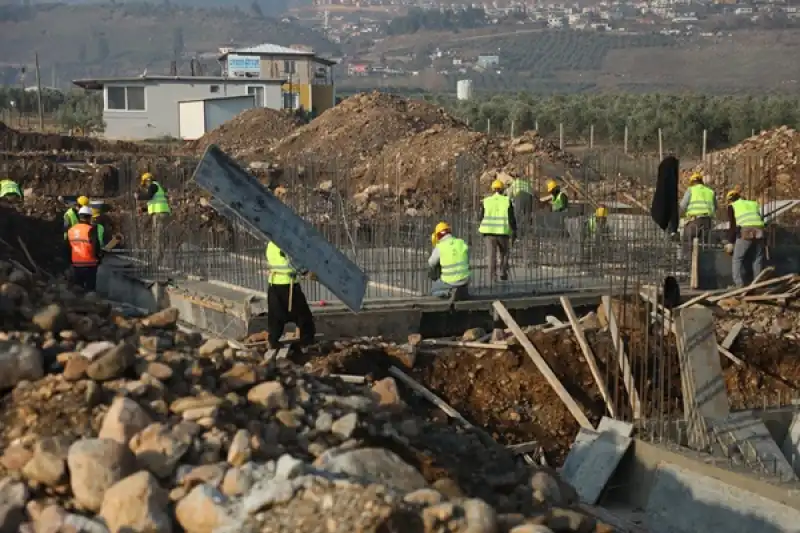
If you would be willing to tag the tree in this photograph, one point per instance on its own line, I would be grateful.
(82, 112)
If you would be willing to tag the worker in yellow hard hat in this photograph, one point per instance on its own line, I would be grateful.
(158, 208)
(746, 240)
(597, 235)
(521, 193)
(598, 223)
(699, 206)
(558, 199)
(71, 214)
(449, 263)
(10, 189)
(499, 227)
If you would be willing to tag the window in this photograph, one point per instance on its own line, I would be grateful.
(214, 88)
(291, 100)
(258, 91)
(125, 99)
(289, 67)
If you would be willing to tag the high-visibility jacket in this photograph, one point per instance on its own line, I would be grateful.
(747, 213)
(100, 233)
(83, 252)
(519, 186)
(701, 201)
(559, 202)
(158, 203)
(453, 260)
(9, 187)
(495, 215)
(70, 219)
(281, 271)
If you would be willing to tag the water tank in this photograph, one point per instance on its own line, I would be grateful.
(464, 89)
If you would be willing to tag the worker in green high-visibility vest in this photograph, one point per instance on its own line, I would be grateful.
(286, 301)
(521, 193)
(158, 209)
(699, 205)
(449, 263)
(746, 238)
(499, 227)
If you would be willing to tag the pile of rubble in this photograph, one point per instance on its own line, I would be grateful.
(113, 423)
(250, 132)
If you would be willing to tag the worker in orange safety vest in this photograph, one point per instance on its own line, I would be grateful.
(84, 250)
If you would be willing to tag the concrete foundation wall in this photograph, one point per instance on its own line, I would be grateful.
(715, 268)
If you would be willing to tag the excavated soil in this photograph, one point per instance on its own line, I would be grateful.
(250, 132)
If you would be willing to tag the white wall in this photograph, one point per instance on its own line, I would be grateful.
(192, 119)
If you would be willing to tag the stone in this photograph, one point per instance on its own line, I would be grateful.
(202, 510)
(48, 465)
(441, 512)
(239, 452)
(193, 402)
(448, 488)
(423, 497)
(160, 371)
(288, 467)
(473, 334)
(237, 481)
(267, 494)
(780, 326)
(51, 318)
(49, 519)
(324, 422)
(75, 368)
(287, 418)
(377, 465)
(15, 457)
(80, 524)
(94, 466)
(93, 350)
(209, 474)
(345, 426)
(136, 504)
(560, 519)
(124, 419)
(13, 496)
(240, 376)
(481, 517)
(269, 394)
(213, 346)
(386, 393)
(19, 362)
(155, 343)
(200, 413)
(530, 528)
(162, 319)
(113, 363)
(158, 449)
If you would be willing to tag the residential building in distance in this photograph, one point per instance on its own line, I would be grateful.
(488, 61)
(309, 77)
(148, 106)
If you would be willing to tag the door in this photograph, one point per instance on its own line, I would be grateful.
(258, 92)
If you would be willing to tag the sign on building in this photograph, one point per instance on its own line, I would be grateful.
(244, 66)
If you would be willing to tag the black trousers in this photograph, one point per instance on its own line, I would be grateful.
(86, 277)
(278, 314)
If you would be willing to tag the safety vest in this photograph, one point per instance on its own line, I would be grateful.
(83, 252)
(9, 187)
(453, 260)
(701, 201)
(559, 202)
(100, 233)
(747, 213)
(591, 225)
(519, 186)
(495, 215)
(158, 203)
(280, 270)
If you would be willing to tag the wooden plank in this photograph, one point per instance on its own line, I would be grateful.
(541, 364)
(694, 279)
(764, 274)
(697, 299)
(588, 354)
(768, 297)
(622, 358)
(467, 344)
(748, 288)
(553, 321)
(730, 338)
(735, 360)
(350, 378)
(524, 447)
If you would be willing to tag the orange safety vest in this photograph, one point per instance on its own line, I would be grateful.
(83, 253)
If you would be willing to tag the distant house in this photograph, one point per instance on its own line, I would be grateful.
(357, 69)
(146, 107)
(488, 61)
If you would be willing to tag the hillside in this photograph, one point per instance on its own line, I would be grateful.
(107, 39)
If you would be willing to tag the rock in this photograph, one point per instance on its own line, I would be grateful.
(124, 419)
(439, 513)
(81, 524)
(473, 334)
(208, 474)
(192, 402)
(51, 318)
(267, 494)
(158, 450)
(155, 343)
(239, 452)
(345, 426)
(113, 363)
(324, 422)
(213, 346)
(288, 467)
(545, 489)
(75, 368)
(386, 393)
(237, 481)
(93, 350)
(239, 376)
(136, 504)
(531, 528)
(15, 457)
(160, 371)
(448, 488)
(200, 413)
(13, 496)
(780, 326)
(19, 362)
(568, 520)
(269, 394)
(48, 465)
(423, 497)
(481, 517)
(374, 464)
(162, 319)
(202, 510)
(49, 519)
(94, 466)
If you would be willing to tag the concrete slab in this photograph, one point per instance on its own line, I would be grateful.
(791, 444)
(682, 501)
(754, 441)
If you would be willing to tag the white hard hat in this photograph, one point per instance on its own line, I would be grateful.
(85, 210)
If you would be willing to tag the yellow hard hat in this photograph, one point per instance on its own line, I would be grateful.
(95, 212)
(434, 240)
(733, 193)
(441, 226)
(83, 200)
(551, 185)
(146, 177)
(498, 185)
(696, 177)
(601, 212)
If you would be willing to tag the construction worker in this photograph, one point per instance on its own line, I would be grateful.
(521, 194)
(558, 200)
(699, 205)
(597, 225)
(10, 189)
(596, 236)
(99, 226)
(158, 209)
(85, 250)
(746, 230)
(285, 300)
(71, 215)
(449, 263)
(499, 227)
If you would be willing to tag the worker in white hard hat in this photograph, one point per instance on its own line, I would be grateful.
(84, 249)
(499, 227)
(71, 214)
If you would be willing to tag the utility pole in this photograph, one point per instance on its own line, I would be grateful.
(39, 93)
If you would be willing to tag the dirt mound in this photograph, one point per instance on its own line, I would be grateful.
(39, 223)
(47, 178)
(17, 141)
(250, 132)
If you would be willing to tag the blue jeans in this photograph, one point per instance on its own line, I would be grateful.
(441, 289)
